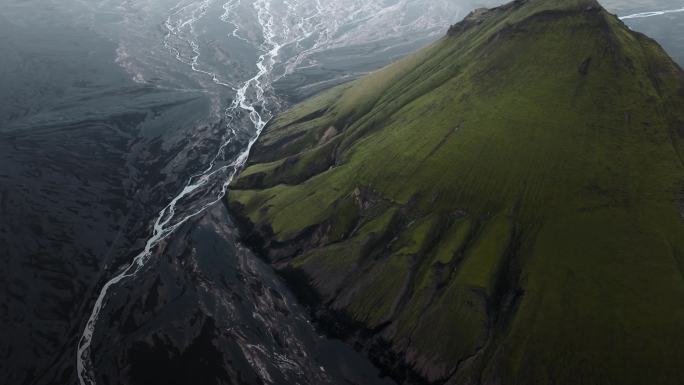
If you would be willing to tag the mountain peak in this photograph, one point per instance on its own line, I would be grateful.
(518, 10)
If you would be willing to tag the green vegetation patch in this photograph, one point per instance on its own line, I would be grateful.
(503, 206)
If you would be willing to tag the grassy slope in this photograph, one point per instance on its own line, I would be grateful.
(505, 205)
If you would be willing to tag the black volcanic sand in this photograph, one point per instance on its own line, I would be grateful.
(204, 309)
(76, 198)
(75, 140)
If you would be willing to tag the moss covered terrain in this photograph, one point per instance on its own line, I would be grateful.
(505, 206)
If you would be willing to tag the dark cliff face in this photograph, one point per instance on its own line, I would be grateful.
(502, 207)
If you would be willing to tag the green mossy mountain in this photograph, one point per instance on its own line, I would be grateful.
(505, 206)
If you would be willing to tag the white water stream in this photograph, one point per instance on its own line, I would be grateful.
(167, 221)
(651, 14)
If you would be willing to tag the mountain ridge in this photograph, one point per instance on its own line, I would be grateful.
(488, 206)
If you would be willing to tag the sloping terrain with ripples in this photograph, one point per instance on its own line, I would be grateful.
(504, 206)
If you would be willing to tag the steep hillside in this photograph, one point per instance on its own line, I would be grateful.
(505, 206)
